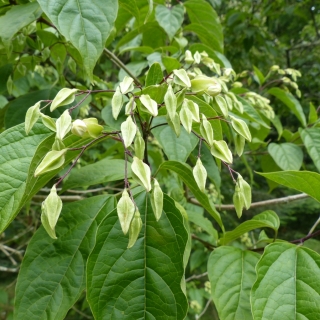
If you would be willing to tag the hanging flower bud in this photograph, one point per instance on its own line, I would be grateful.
(221, 102)
(139, 146)
(93, 128)
(135, 228)
(32, 116)
(126, 85)
(246, 191)
(65, 96)
(53, 160)
(200, 175)
(174, 124)
(157, 200)
(79, 128)
(220, 150)
(197, 57)
(51, 208)
(241, 127)
(128, 131)
(58, 145)
(48, 122)
(181, 78)
(130, 106)
(141, 173)
(125, 210)
(206, 130)
(116, 103)
(170, 101)
(188, 57)
(239, 142)
(63, 125)
(203, 84)
(194, 108)
(238, 201)
(186, 117)
(149, 104)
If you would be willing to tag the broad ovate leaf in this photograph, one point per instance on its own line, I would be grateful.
(32, 116)
(128, 131)
(64, 96)
(141, 172)
(125, 210)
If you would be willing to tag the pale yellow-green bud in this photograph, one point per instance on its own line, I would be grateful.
(79, 128)
(58, 145)
(139, 146)
(239, 143)
(241, 127)
(125, 210)
(157, 200)
(188, 57)
(126, 85)
(186, 117)
(63, 125)
(170, 101)
(128, 131)
(48, 122)
(135, 228)
(238, 201)
(221, 151)
(286, 80)
(221, 102)
(197, 57)
(93, 128)
(206, 130)
(181, 78)
(194, 109)
(130, 106)
(141, 173)
(32, 116)
(116, 103)
(174, 124)
(237, 84)
(274, 68)
(203, 84)
(52, 161)
(244, 74)
(200, 175)
(246, 191)
(64, 96)
(149, 104)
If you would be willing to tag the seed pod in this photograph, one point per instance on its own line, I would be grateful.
(139, 146)
(63, 125)
(203, 84)
(238, 201)
(149, 104)
(51, 208)
(32, 116)
(206, 130)
(181, 78)
(170, 101)
(188, 57)
(221, 102)
(246, 191)
(174, 124)
(135, 228)
(130, 106)
(116, 103)
(241, 127)
(48, 122)
(126, 85)
(79, 128)
(128, 131)
(239, 143)
(186, 118)
(53, 160)
(141, 173)
(125, 210)
(200, 175)
(157, 200)
(194, 109)
(220, 150)
(64, 96)
(93, 128)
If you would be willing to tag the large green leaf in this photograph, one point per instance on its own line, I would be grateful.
(52, 275)
(288, 284)
(311, 139)
(16, 153)
(205, 23)
(170, 19)
(291, 102)
(304, 181)
(102, 171)
(266, 219)
(175, 148)
(185, 174)
(143, 282)
(232, 273)
(86, 24)
(287, 156)
(17, 18)
(131, 7)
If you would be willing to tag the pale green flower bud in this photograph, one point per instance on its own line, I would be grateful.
(116, 103)
(194, 109)
(157, 200)
(135, 228)
(128, 131)
(51, 208)
(200, 175)
(79, 128)
(221, 102)
(188, 57)
(238, 201)
(241, 127)
(32, 116)
(275, 68)
(139, 146)
(125, 210)
(186, 117)
(197, 57)
(48, 122)
(52, 161)
(239, 143)
(237, 84)
(58, 145)
(130, 106)
(93, 128)
(181, 78)
(203, 84)
(244, 74)
(221, 151)
(246, 191)
(286, 80)
(149, 104)
(174, 124)
(141, 173)
(126, 85)
(63, 125)
(170, 101)
(206, 130)
(65, 96)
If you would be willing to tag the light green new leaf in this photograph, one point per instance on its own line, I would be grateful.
(311, 139)
(170, 19)
(291, 102)
(86, 24)
(287, 156)
(288, 284)
(18, 17)
(185, 174)
(232, 273)
(145, 280)
(304, 181)
(266, 219)
(259, 75)
(52, 275)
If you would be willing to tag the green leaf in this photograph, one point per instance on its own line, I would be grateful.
(131, 7)
(185, 174)
(288, 283)
(313, 115)
(304, 181)
(16, 152)
(155, 75)
(52, 275)
(311, 139)
(291, 102)
(170, 63)
(145, 280)
(287, 156)
(259, 75)
(170, 19)
(204, 223)
(176, 148)
(85, 24)
(205, 23)
(266, 219)
(16, 18)
(102, 171)
(232, 273)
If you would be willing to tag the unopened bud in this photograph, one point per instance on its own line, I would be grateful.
(220, 150)
(197, 57)
(135, 228)
(238, 201)
(125, 210)
(174, 124)
(181, 78)
(186, 117)
(116, 103)
(126, 85)
(188, 57)
(48, 122)
(32, 116)
(170, 101)
(130, 106)
(221, 102)
(52, 161)
(275, 68)
(64, 96)
(241, 127)
(157, 200)
(93, 128)
(63, 125)
(203, 84)
(246, 191)
(141, 173)
(128, 131)
(200, 175)
(194, 109)
(239, 143)
(139, 146)
(79, 128)
(149, 104)
(206, 130)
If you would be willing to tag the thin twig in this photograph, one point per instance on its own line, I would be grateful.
(309, 236)
(81, 313)
(314, 226)
(197, 276)
(204, 310)
(205, 243)
(13, 270)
